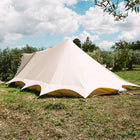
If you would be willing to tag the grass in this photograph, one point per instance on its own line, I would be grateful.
(23, 116)
(131, 76)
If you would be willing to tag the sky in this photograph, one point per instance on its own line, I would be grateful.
(45, 23)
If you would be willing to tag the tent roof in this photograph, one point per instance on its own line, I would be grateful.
(66, 67)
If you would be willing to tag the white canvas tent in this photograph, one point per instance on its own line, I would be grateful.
(66, 70)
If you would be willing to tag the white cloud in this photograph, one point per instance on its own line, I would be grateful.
(121, 7)
(130, 28)
(87, 0)
(59, 21)
(70, 2)
(129, 36)
(36, 17)
(98, 21)
(19, 47)
(105, 44)
(12, 36)
(84, 35)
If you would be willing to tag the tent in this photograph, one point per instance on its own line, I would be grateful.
(65, 70)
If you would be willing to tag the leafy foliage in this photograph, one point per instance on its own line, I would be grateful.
(126, 54)
(124, 44)
(112, 7)
(97, 55)
(8, 66)
(88, 46)
(107, 58)
(77, 42)
(123, 55)
(136, 57)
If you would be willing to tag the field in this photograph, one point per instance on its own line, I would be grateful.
(23, 116)
(131, 76)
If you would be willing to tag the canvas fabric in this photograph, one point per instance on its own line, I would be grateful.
(66, 70)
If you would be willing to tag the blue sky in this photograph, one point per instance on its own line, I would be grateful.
(45, 23)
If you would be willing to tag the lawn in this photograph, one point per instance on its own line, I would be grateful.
(131, 76)
(23, 116)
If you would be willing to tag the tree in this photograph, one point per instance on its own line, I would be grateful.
(77, 42)
(126, 54)
(5, 64)
(96, 54)
(124, 44)
(135, 45)
(111, 6)
(108, 58)
(123, 56)
(8, 66)
(118, 60)
(120, 45)
(87, 46)
(136, 57)
(29, 49)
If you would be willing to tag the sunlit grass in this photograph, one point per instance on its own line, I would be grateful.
(131, 76)
(23, 116)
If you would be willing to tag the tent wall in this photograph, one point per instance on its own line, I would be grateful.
(66, 70)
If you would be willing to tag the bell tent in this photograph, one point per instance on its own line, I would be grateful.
(65, 70)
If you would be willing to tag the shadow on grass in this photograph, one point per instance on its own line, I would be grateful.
(12, 85)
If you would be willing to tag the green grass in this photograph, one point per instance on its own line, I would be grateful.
(131, 76)
(23, 116)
